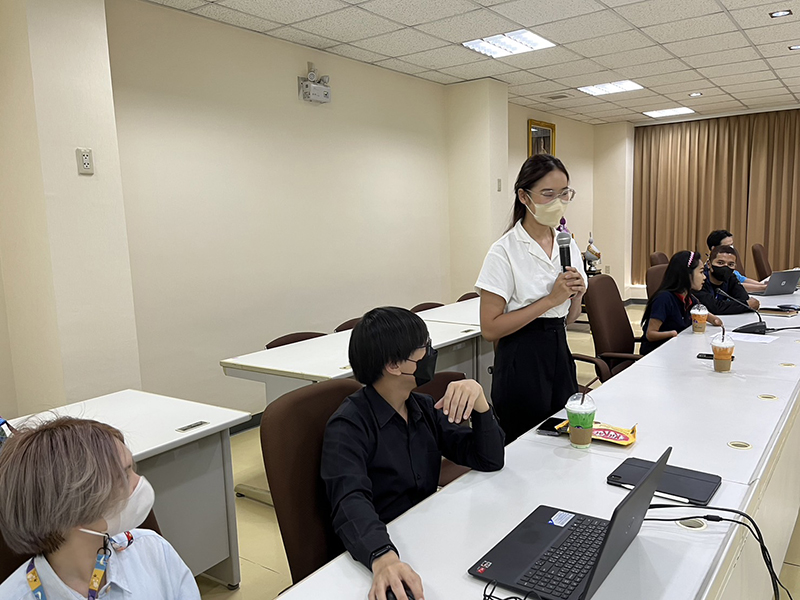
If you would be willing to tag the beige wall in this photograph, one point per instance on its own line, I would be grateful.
(251, 213)
(574, 146)
(8, 392)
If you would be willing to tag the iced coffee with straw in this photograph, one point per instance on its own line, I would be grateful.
(699, 317)
(722, 347)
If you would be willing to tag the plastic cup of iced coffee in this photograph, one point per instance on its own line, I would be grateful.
(722, 347)
(581, 410)
(699, 318)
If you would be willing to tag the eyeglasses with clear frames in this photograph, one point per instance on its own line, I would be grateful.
(565, 195)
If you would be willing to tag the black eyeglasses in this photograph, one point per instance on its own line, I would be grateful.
(429, 349)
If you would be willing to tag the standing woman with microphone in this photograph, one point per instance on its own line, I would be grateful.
(528, 296)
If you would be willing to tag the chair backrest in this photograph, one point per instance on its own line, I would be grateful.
(763, 268)
(426, 306)
(291, 338)
(468, 296)
(292, 429)
(611, 328)
(347, 325)
(10, 560)
(658, 258)
(653, 279)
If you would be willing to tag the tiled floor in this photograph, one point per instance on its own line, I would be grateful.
(265, 572)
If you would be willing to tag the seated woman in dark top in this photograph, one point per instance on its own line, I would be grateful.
(667, 312)
(720, 277)
(383, 447)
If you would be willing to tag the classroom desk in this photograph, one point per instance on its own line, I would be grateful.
(190, 471)
(319, 359)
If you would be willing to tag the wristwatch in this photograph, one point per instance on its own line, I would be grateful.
(380, 552)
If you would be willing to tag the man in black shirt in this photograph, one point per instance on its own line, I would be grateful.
(720, 276)
(383, 447)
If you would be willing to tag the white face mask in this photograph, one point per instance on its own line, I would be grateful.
(548, 214)
(133, 514)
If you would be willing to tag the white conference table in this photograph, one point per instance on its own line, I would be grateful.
(677, 400)
(189, 468)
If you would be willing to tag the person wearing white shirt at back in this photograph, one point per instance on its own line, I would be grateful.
(527, 301)
(70, 496)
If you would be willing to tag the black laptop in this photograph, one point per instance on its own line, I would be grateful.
(566, 556)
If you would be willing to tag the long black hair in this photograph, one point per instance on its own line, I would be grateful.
(533, 169)
(677, 278)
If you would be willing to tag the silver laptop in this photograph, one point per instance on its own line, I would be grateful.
(780, 282)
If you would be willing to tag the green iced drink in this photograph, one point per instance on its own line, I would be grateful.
(581, 411)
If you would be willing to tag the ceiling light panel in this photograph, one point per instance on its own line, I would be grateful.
(610, 88)
(669, 112)
(508, 44)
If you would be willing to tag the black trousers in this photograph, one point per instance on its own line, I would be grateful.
(533, 376)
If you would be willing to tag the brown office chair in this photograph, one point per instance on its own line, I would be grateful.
(436, 388)
(426, 306)
(613, 337)
(347, 325)
(658, 258)
(292, 428)
(291, 338)
(10, 560)
(763, 268)
(653, 279)
(468, 296)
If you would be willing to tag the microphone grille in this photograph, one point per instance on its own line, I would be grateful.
(563, 239)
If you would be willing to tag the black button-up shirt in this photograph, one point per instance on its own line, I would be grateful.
(376, 466)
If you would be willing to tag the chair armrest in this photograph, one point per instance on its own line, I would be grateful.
(600, 366)
(620, 356)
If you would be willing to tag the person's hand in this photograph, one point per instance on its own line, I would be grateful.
(562, 288)
(753, 303)
(461, 398)
(576, 282)
(674, 333)
(389, 572)
(715, 320)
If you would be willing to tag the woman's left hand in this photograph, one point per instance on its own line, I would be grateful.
(575, 281)
(715, 320)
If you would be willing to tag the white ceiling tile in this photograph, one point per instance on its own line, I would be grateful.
(414, 12)
(722, 107)
(781, 100)
(284, 12)
(634, 57)
(685, 87)
(519, 101)
(790, 72)
(733, 4)
(634, 97)
(611, 44)
(583, 27)
(489, 2)
(726, 80)
(540, 58)
(758, 16)
(478, 70)
(349, 51)
(785, 62)
(746, 95)
(708, 94)
(580, 101)
(749, 86)
(348, 25)
(667, 78)
(616, 3)
(543, 88)
(438, 77)
(722, 58)
(596, 122)
(562, 112)
(750, 66)
(778, 32)
(655, 68)
(691, 28)
(706, 45)
(290, 34)
(612, 111)
(655, 12)
(791, 81)
(476, 24)
(590, 79)
(395, 64)
(234, 17)
(705, 100)
(181, 4)
(518, 77)
(622, 118)
(398, 43)
(441, 58)
(531, 13)
(776, 49)
(576, 67)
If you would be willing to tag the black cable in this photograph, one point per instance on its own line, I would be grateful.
(784, 328)
(755, 530)
(489, 594)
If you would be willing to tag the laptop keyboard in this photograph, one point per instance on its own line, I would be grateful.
(559, 570)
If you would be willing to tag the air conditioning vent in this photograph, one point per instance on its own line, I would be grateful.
(561, 96)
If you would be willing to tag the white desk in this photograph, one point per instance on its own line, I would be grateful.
(319, 359)
(191, 472)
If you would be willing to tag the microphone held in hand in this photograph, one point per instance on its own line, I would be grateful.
(563, 240)
(758, 328)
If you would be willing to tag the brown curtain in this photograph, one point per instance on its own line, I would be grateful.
(737, 173)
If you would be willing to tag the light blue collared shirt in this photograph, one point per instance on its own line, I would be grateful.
(149, 569)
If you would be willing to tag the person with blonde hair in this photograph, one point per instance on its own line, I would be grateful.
(70, 496)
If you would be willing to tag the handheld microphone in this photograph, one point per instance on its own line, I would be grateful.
(563, 240)
(758, 328)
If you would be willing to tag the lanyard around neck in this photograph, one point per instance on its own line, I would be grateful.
(100, 566)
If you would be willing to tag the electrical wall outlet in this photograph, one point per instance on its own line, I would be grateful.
(607, 269)
(85, 161)
(499, 185)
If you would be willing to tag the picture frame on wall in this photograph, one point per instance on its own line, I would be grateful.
(541, 137)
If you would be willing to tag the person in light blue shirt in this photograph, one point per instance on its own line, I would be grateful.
(723, 237)
(70, 497)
